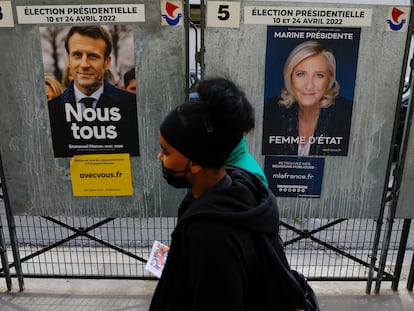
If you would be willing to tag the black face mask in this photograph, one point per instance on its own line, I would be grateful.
(176, 181)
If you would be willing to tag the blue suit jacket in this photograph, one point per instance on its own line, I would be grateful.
(98, 134)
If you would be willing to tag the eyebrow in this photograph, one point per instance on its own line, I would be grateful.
(318, 71)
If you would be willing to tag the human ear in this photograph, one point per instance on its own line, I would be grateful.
(195, 168)
(108, 62)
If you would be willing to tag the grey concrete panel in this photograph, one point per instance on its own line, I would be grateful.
(40, 184)
(352, 185)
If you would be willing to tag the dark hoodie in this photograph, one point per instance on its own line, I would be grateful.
(226, 253)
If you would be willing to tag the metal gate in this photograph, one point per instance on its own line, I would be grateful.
(85, 247)
(323, 249)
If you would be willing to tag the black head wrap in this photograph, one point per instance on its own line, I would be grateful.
(193, 130)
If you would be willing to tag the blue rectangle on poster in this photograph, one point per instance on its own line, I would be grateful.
(295, 176)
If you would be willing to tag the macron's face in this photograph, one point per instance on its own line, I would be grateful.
(87, 63)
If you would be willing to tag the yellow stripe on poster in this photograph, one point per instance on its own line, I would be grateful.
(101, 175)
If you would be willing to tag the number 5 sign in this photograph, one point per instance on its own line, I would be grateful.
(223, 14)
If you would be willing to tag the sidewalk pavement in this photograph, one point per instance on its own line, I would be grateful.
(49, 294)
(104, 294)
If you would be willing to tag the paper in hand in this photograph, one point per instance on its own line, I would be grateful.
(157, 258)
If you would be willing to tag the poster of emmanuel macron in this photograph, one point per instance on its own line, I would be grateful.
(309, 89)
(90, 110)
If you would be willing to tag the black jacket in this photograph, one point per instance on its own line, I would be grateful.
(226, 253)
(334, 122)
(66, 145)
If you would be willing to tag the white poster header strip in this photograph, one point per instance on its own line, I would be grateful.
(295, 16)
(373, 2)
(99, 13)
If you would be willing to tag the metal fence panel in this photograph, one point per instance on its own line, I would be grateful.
(62, 236)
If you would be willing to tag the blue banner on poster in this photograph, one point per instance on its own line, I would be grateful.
(295, 176)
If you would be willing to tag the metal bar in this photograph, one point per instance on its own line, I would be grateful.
(196, 51)
(48, 248)
(4, 258)
(187, 47)
(328, 246)
(116, 248)
(401, 251)
(384, 253)
(344, 279)
(77, 233)
(93, 277)
(202, 42)
(54, 245)
(94, 226)
(89, 277)
(410, 281)
(12, 228)
(80, 232)
(307, 234)
(83, 232)
(73, 236)
(372, 266)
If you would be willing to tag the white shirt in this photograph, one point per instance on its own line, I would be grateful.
(304, 151)
(79, 95)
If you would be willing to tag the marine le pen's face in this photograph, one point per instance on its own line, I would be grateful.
(310, 80)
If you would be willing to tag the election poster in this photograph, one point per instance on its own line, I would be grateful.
(309, 90)
(91, 89)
